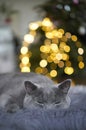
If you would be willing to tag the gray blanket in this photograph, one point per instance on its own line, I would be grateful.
(73, 118)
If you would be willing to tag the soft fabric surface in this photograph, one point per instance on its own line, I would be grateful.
(73, 118)
(44, 120)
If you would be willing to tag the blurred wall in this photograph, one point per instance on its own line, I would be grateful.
(26, 14)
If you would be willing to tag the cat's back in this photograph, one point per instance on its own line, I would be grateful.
(17, 79)
(77, 95)
(78, 89)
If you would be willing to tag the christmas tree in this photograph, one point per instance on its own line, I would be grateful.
(52, 49)
(69, 15)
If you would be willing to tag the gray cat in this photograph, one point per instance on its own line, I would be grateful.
(31, 90)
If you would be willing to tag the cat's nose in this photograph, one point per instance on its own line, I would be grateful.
(49, 106)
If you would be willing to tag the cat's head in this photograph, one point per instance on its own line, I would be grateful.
(47, 97)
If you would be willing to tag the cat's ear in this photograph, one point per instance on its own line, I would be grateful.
(30, 87)
(64, 86)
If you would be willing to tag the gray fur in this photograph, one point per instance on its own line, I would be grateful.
(30, 90)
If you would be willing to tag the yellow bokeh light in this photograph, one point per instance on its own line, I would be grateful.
(25, 69)
(47, 42)
(44, 71)
(80, 51)
(23, 65)
(59, 56)
(53, 56)
(28, 38)
(24, 50)
(49, 35)
(54, 47)
(74, 38)
(64, 39)
(43, 63)
(38, 70)
(56, 61)
(49, 59)
(81, 65)
(33, 26)
(45, 49)
(57, 33)
(33, 33)
(68, 35)
(54, 51)
(53, 73)
(65, 56)
(55, 40)
(61, 30)
(47, 22)
(66, 48)
(62, 44)
(61, 64)
(25, 60)
(69, 70)
(68, 63)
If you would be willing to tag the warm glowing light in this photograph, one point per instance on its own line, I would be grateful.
(62, 44)
(66, 48)
(45, 49)
(61, 30)
(38, 70)
(74, 38)
(68, 63)
(65, 56)
(49, 59)
(25, 60)
(47, 42)
(61, 64)
(54, 51)
(47, 22)
(69, 70)
(43, 63)
(25, 69)
(28, 38)
(80, 51)
(54, 47)
(33, 26)
(68, 35)
(81, 65)
(57, 33)
(53, 73)
(64, 39)
(59, 56)
(49, 35)
(24, 50)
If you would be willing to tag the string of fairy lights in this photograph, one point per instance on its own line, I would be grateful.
(55, 51)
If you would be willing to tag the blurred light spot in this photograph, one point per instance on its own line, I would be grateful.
(53, 73)
(28, 38)
(24, 50)
(80, 51)
(81, 65)
(43, 63)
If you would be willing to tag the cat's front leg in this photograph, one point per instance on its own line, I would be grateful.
(8, 103)
(12, 107)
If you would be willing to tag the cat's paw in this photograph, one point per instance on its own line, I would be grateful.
(11, 108)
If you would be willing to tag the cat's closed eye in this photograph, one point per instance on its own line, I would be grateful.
(57, 102)
(40, 103)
